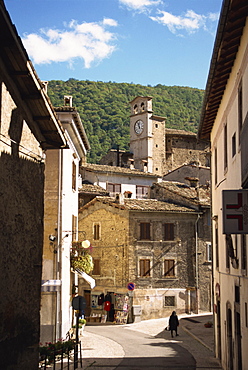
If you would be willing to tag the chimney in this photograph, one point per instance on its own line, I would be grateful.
(119, 198)
(193, 181)
(67, 100)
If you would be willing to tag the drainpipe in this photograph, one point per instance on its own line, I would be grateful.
(59, 291)
(196, 263)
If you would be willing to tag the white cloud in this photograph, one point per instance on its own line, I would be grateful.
(189, 22)
(88, 41)
(139, 4)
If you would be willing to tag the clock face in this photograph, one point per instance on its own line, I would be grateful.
(139, 127)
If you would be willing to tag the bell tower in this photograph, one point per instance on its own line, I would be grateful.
(147, 136)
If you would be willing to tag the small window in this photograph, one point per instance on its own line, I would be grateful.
(168, 231)
(246, 315)
(217, 247)
(96, 231)
(74, 228)
(237, 294)
(169, 301)
(74, 170)
(215, 167)
(113, 189)
(169, 268)
(156, 125)
(208, 252)
(243, 252)
(234, 145)
(225, 147)
(96, 268)
(240, 108)
(142, 192)
(145, 231)
(144, 267)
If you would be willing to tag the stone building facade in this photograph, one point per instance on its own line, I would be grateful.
(28, 127)
(153, 244)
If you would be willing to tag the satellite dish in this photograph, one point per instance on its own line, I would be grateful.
(86, 244)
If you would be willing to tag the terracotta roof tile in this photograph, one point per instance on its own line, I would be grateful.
(199, 195)
(143, 205)
(94, 189)
(114, 169)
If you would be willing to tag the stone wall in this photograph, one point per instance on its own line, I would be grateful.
(111, 248)
(21, 235)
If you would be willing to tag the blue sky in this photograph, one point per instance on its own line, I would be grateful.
(145, 42)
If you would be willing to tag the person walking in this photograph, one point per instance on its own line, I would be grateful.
(173, 323)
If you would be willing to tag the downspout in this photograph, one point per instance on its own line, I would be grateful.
(58, 296)
(196, 264)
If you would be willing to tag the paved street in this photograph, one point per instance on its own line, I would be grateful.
(146, 345)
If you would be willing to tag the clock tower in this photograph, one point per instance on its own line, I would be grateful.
(147, 136)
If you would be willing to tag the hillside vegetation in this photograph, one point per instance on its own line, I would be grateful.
(104, 109)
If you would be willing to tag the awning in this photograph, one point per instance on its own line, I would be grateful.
(50, 285)
(86, 277)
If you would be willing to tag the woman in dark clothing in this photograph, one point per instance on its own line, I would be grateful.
(173, 323)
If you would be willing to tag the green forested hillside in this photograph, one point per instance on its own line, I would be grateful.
(104, 109)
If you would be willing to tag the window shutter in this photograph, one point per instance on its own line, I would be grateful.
(169, 267)
(145, 231)
(96, 269)
(144, 267)
(168, 231)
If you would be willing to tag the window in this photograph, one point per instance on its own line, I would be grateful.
(234, 145)
(96, 269)
(144, 267)
(145, 231)
(96, 231)
(225, 147)
(113, 189)
(227, 254)
(74, 228)
(168, 231)
(240, 109)
(215, 167)
(141, 192)
(169, 301)
(169, 268)
(217, 247)
(243, 252)
(246, 315)
(208, 252)
(74, 170)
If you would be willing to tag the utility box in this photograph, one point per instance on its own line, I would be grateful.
(137, 313)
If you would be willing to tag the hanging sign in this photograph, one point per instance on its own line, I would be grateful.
(235, 211)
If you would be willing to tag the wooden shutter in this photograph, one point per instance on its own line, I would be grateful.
(169, 267)
(144, 267)
(96, 231)
(145, 231)
(96, 269)
(168, 231)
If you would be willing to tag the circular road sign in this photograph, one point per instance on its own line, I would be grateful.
(130, 286)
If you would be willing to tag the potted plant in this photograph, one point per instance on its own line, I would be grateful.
(208, 324)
